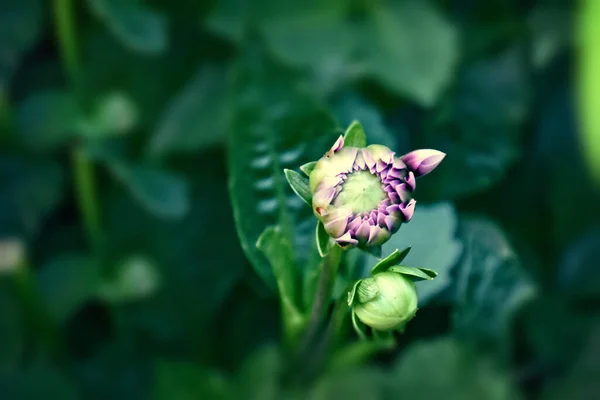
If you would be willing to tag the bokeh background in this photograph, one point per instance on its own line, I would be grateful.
(123, 123)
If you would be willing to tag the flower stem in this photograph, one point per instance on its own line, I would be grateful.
(85, 184)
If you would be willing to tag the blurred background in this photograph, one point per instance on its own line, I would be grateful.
(134, 134)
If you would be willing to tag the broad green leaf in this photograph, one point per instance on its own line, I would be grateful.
(188, 381)
(160, 192)
(394, 258)
(136, 278)
(31, 190)
(492, 96)
(411, 48)
(66, 283)
(195, 117)
(278, 250)
(20, 24)
(114, 114)
(588, 32)
(308, 167)
(490, 285)
(275, 125)
(416, 274)
(322, 239)
(355, 135)
(46, 120)
(137, 26)
(299, 185)
(453, 371)
(431, 236)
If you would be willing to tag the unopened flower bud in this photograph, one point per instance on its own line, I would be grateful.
(363, 195)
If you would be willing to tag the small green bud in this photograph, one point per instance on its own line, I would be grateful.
(386, 301)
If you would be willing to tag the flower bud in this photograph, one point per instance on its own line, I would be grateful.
(363, 195)
(385, 301)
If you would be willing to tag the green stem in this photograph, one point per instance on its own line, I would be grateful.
(85, 184)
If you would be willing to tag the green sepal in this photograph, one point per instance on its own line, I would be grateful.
(355, 135)
(416, 274)
(373, 250)
(322, 238)
(367, 290)
(352, 293)
(393, 259)
(308, 167)
(356, 324)
(299, 185)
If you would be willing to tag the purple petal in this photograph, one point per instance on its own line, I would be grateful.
(346, 240)
(411, 181)
(423, 161)
(392, 223)
(377, 236)
(396, 173)
(359, 161)
(380, 166)
(323, 197)
(407, 210)
(393, 209)
(362, 233)
(337, 146)
(404, 192)
(394, 197)
(398, 164)
(369, 162)
(354, 224)
(381, 219)
(336, 227)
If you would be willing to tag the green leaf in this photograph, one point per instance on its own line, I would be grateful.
(46, 120)
(66, 283)
(136, 26)
(322, 239)
(308, 167)
(355, 354)
(452, 370)
(299, 185)
(411, 48)
(275, 124)
(367, 290)
(260, 375)
(136, 278)
(12, 327)
(394, 258)
(490, 284)
(20, 25)
(416, 274)
(187, 381)
(431, 236)
(364, 382)
(195, 117)
(278, 250)
(114, 114)
(355, 135)
(160, 192)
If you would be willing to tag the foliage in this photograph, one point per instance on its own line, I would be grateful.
(151, 247)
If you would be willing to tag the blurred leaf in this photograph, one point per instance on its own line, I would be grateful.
(452, 372)
(138, 27)
(160, 192)
(259, 376)
(20, 25)
(46, 120)
(550, 24)
(12, 255)
(195, 117)
(355, 384)
(480, 133)
(30, 189)
(431, 236)
(38, 381)
(588, 58)
(115, 114)
(11, 326)
(136, 278)
(578, 276)
(187, 381)
(490, 285)
(411, 48)
(275, 125)
(66, 283)
(355, 354)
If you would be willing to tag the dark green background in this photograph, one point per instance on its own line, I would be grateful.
(168, 101)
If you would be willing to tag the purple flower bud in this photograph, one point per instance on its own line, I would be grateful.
(422, 162)
(362, 196)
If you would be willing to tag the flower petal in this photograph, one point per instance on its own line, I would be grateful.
(423, 161)
(346, 240)
(362, 233)
(336, 227)
(407, 210)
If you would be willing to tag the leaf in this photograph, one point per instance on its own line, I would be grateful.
(39, 380)
(355, 135)
(416, 274)
(490, 284)
(195, 117)
(136, 278)
(355, 354)
(12, 327)
(365, 382)
(578, 277)
(394, 258)
(114, 114)
(66, 283)
(431, 236)
(452, 370)
(160, 192)
(46, 120)
(308, 167)
(20, 26)
(299, 185)
(274, 125)
(322, 239)
(138, 27)
(410, 48)
(260, 375)
(187, 381)
(492, 96)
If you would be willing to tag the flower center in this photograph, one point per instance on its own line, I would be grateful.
(362, 191)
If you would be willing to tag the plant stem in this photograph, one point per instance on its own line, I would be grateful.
(85, 184)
